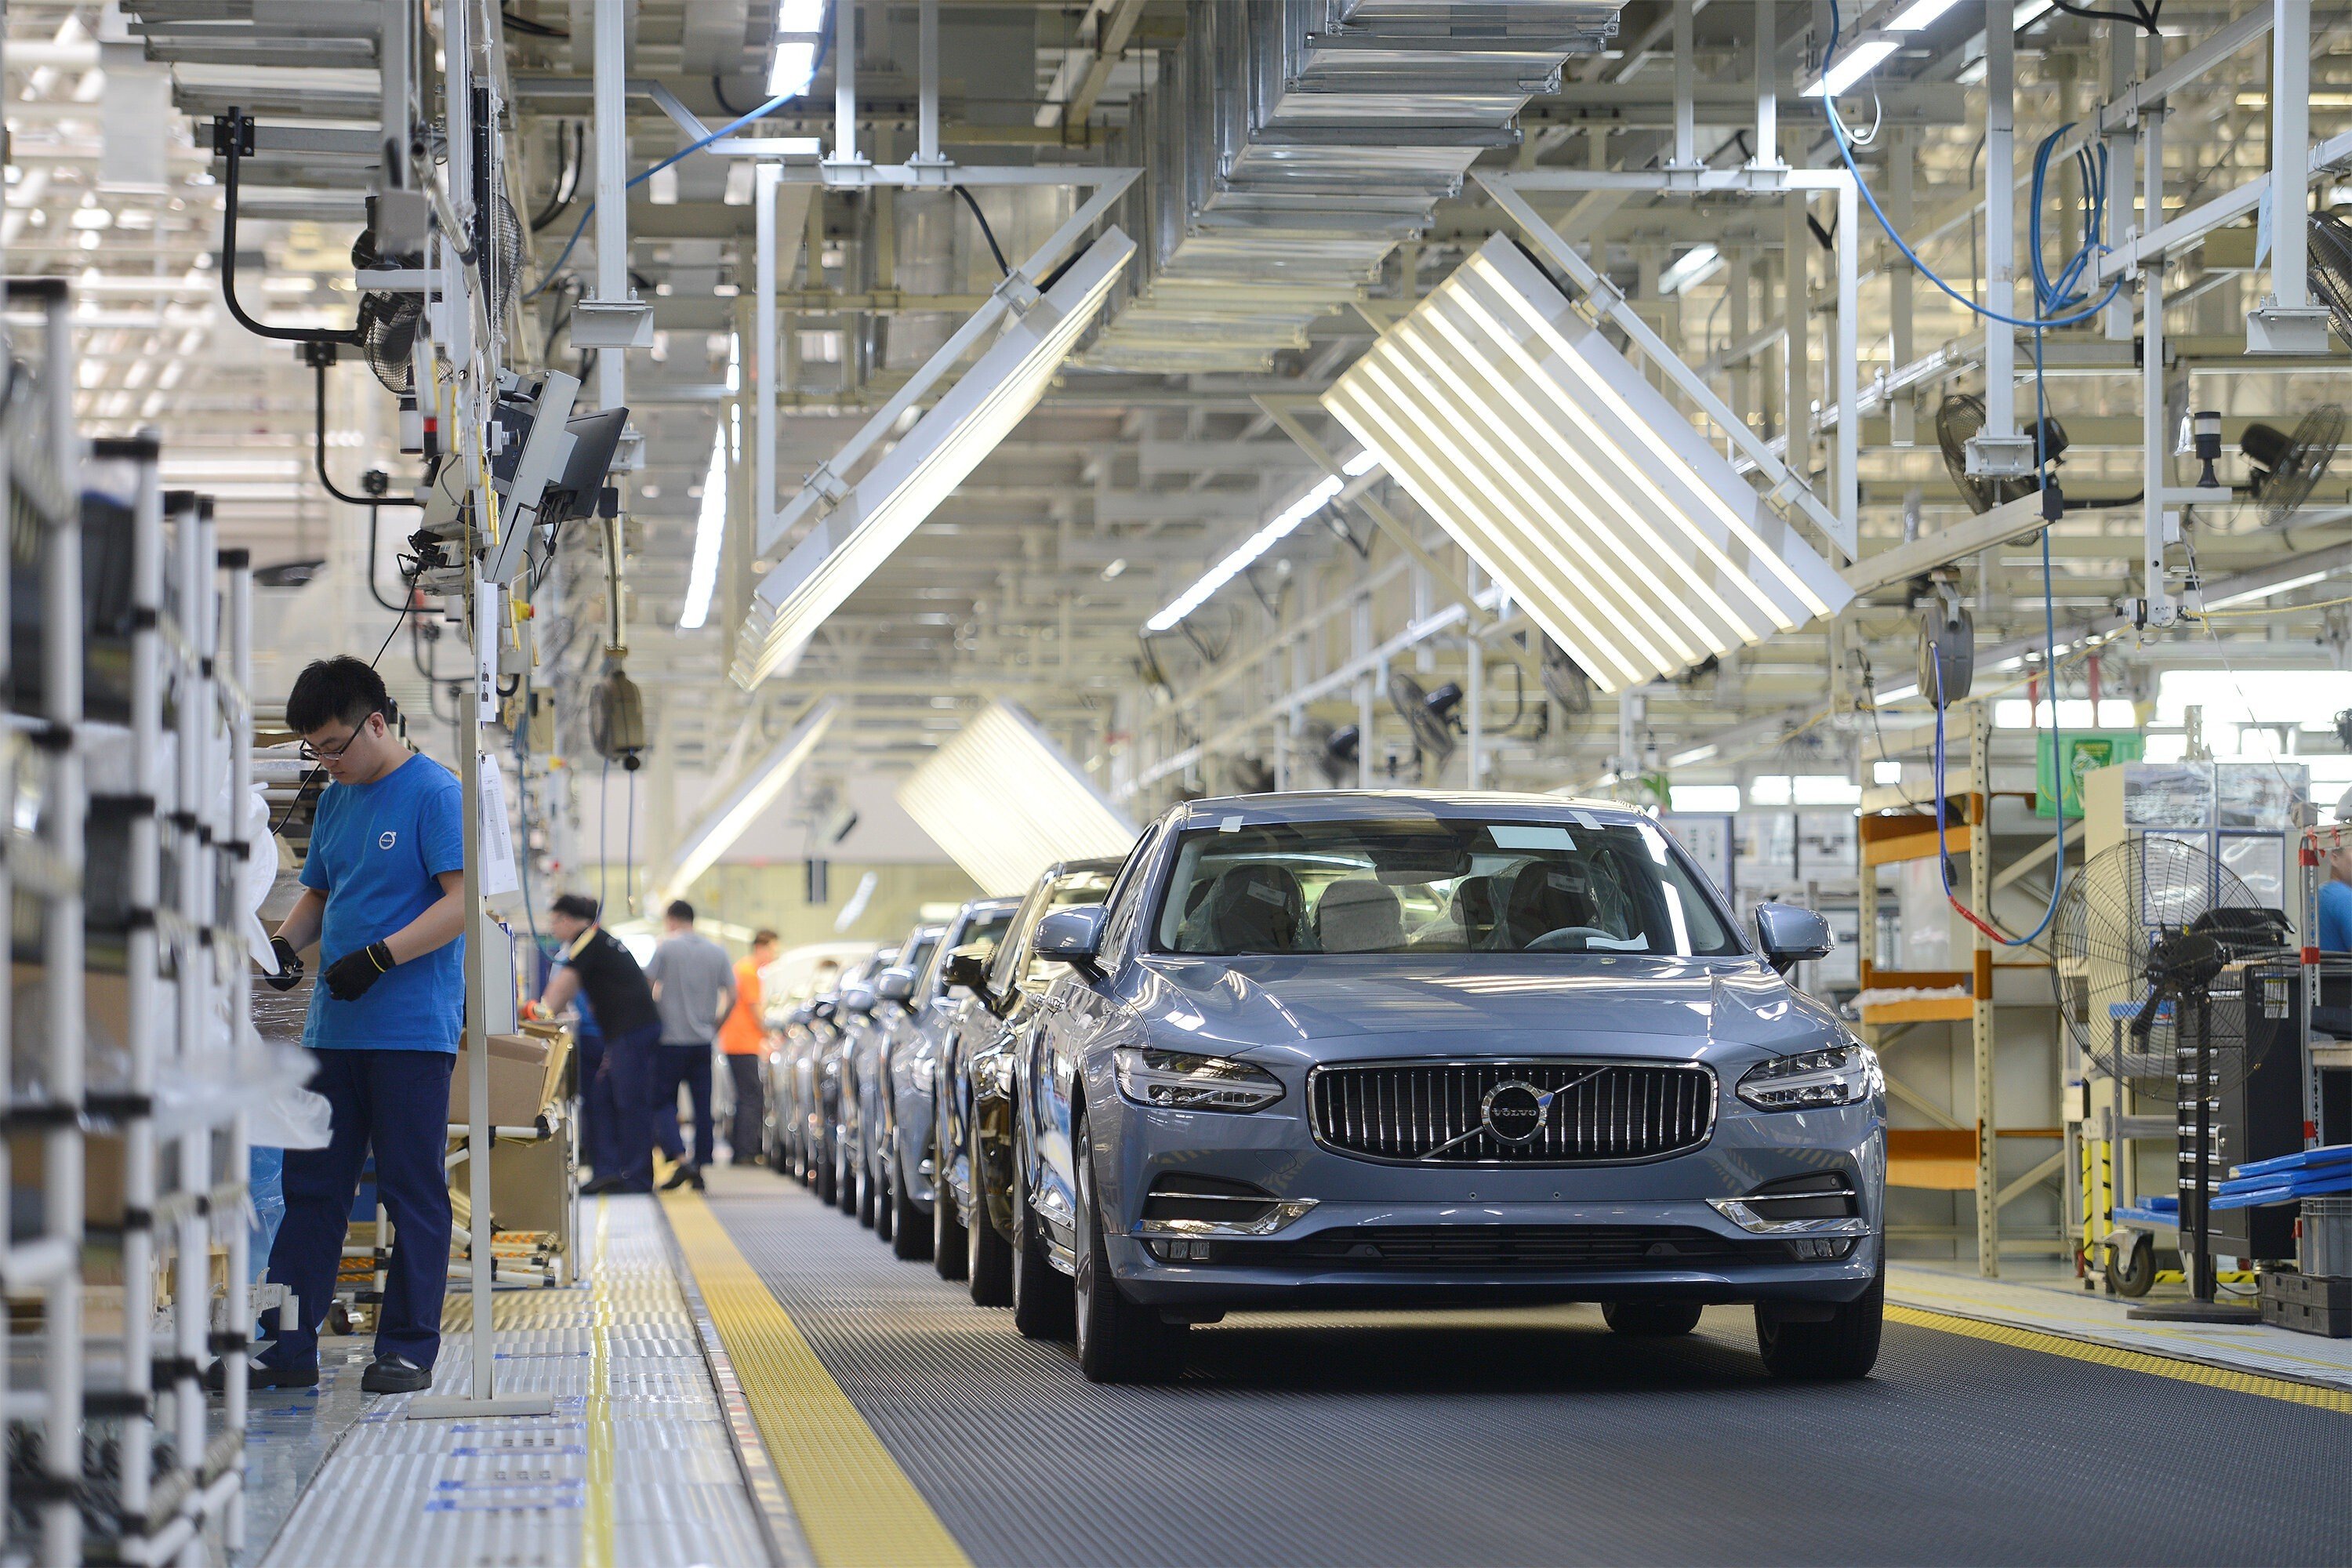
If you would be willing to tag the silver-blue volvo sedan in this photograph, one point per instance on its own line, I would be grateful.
(1384, 1049)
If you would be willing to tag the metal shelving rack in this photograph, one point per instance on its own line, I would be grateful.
(115, 1450)
(44, 764)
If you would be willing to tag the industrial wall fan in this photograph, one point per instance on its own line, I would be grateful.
(1565, 681)
(1428, 714)
(2140, 935)
(2286, 465)
(2328, 263)
(1251, 775)
(1334, 752)
(1960, 418)
(388, 322)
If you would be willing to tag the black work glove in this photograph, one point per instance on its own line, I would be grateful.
(349, 978)
(289, 966)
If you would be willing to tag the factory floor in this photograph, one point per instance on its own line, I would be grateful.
(749, 1377)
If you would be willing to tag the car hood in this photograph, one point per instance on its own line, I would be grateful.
(1477, 1004)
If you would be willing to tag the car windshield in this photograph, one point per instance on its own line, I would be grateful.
(1437, 885)
(917, 955)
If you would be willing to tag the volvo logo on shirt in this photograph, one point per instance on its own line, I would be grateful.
(389, 838)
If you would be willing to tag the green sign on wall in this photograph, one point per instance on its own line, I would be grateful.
(2086, 750)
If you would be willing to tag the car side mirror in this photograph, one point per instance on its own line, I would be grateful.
(967, 967)
(1073, 936)
(1790, 935)
(895, 983)
(857, 998)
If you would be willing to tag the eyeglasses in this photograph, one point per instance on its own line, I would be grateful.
(311, 754)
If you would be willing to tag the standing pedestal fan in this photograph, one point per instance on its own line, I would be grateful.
(2141, 934)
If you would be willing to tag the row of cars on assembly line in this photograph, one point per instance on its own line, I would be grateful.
(1359, 1050)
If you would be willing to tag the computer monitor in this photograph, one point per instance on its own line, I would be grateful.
(595, 438)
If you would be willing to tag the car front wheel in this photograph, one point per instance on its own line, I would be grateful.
(948, 1243)
(1043, 1306)
(1843, 1348)
(1118, 1340)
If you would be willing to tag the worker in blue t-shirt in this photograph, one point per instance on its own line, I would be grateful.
(2335, 903)
(384, 897)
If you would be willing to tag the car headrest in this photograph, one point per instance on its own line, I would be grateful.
(1472, 909)
(1546, 897)
(1254, 908)
(1359, 914)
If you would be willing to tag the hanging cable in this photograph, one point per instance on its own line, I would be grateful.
(729, 129)
(986, 233)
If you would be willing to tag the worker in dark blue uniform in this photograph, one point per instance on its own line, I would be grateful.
(592, 961)
(384, 897)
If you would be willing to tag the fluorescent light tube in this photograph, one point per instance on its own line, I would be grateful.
(710, 530)
(1918, 15)
(716, 828)
(1722, 799)
(2032, 11)
(1283, 525)
(793, 70)
(1696, 265)
(2273, 591)
(1851, 67)
(1004, 803)
(1572, 481)
(849, 544)
(1692, 757)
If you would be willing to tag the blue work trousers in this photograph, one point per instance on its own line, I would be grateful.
(690, 1066)
(397, 1102)
(628, 1078)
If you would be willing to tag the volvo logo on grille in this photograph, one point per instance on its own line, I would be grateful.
(1515, 1110)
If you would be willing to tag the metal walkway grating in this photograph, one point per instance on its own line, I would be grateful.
(633, 1470)
(1535, 1438)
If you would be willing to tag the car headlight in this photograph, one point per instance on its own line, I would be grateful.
(1810, 1080)
(1179, 1080)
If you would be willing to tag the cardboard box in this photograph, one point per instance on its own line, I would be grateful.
(101, 1177)
(525, 1072)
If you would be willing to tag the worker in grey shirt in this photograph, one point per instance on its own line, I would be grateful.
(694, 987)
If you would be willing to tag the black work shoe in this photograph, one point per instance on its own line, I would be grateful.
(394, 1374)
(686, 1175)
(259, 1373)
(602, 1185)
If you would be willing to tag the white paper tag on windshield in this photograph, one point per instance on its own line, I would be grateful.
(1586, 819)
(1531, 835)
(1230, 824)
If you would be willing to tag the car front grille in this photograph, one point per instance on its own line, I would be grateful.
(1533, 1249)
(1436, 1113)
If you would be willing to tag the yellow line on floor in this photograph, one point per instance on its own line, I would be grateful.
(2292, 1392)
(855, 1505)
(597, 1523)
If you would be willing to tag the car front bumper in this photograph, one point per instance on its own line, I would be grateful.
(1354, 1232)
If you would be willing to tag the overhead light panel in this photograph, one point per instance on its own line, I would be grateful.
(727, 819)
(874, 517)
(1851, 67)
(1918, 16)
(1573, 482)
(709, 530)
(1004, 803)
(800, 27)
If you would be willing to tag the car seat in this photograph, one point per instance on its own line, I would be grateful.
(1359, 914)
(1545, 897)
(1472, 909)
(1254, 908)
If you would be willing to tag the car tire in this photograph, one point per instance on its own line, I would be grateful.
(1843, 1348)
(885, 1212)
(824, 1173)
(1651, 1320)
(844, 1180)
(1045, 1307)
(869, 1207)
(949, 1246)
(988, 1257)
(1118, 1340)
(910, 1227)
